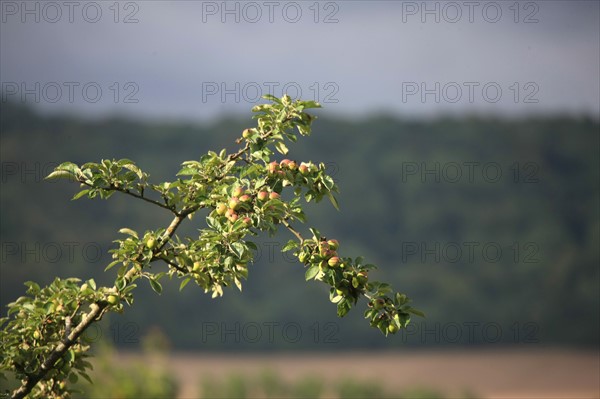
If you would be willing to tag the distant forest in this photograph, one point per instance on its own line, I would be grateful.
(491, 226)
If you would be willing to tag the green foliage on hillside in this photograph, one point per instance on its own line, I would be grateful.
(542, 213)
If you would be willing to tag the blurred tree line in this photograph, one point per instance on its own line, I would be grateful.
(490, 225)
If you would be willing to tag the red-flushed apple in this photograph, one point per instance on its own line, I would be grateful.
(245, 198)
(273, 195)
(333, 244)
(284, 163)
(303, 168)
(272, 167)
(237, 192)
(292, 165)
(334, 261)
(262, 195)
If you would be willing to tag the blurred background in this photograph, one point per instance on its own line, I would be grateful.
(464, 137)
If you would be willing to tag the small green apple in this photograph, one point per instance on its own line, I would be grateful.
(340, 292)
(151, 243)
(303, 257)
(393, 328)
(247, 133)
(221, 209)
(379, 303)
(333, 244)
(112, 299)
(234, 203)
(197, 267)
(237, 192)
(37, 335)
(292, 165)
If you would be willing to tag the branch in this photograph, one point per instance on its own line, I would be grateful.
(97, 309)
(126, 191)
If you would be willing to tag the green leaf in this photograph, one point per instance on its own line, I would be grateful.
(156, 286)
(80, 194)
(282, 148)
(184, 283)
(60, 174)
(291, 244)
(415, 311)
(333, 201)
(126, 230)
(311, 272)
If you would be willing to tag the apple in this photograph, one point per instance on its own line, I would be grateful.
(37, 335)
(237, 192)
(272, 167)
(247, 133)
(285, 163)
(334, 261)
(340, 292)
(333, 244)
(274, 195)
(221, 209)
(151, 243)
(292, 165)
(231, 215)
(262, 195)
(197, 267)
(323, 248)
(112, 299)
(62, 385)
(303, 257)
(247, 221)
(245, 198)
(234, 203)
(393, 328)
(303, 168)
(379, 303)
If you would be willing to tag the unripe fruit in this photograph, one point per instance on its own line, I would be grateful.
(273, 195)
(237, 192)
(37, 335)
(262, 196)
(247, 221)
(339, 292)
(333, 244)
(221, 209)
(151, 243)
(112, 299)
(303, 257)
(231, 215)
(62, 385)
(334, 261)
(292, 165)
(379, 304)
(393, 329)
(285, 163)
(197, 267)
(247, 133)
(234, 203)
(245, 198)
(272, 167)
(303, 168)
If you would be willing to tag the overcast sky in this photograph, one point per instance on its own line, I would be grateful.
(195, 60)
